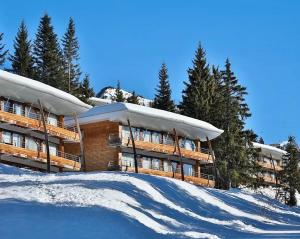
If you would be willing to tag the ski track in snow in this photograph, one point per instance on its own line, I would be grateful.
(59, 190)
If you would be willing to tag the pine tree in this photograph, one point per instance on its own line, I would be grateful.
(21, 60)
(86, 91)
(133, 98)
(119, 94)
(231, 148)
(290, 176)
(3, 52)
(70, 46)
(261, 140)
(48, 56)
(162, 98)
(197, 95)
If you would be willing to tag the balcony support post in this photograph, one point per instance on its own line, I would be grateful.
(46, 136)
(83, 165)
(133, 147)
(213, 157)
(179, 152)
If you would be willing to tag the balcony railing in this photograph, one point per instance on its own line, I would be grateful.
(33, 120)
(202, 179)
(59, 158)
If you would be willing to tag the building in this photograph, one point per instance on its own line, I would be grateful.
(270, 159)
(22, 133)
(108, 144)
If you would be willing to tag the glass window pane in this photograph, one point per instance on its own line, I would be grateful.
(6, 137)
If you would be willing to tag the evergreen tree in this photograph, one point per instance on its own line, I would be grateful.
(162, 98)
(119, 94)
(3, 52)
(48, 56)
(231, 147)
(21, 60)
(133, 98)
(261, 140)
(86, 91)
(71, 57)
(290, 176)
(197, 95)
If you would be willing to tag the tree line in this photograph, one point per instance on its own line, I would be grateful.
(48, 60)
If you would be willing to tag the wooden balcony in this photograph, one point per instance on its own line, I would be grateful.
(169, 149)
(195, 180)
(269, 166)
(60, 161)
(36, 124)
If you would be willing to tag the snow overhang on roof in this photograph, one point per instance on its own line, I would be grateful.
(268, 149)
(152, 119)
(26, 90)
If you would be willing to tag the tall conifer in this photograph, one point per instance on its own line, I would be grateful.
(133, 98)
(70, 47)
(48, 56)
(21, 60)
(3, 52)
(162, 98)
(86, 91)
(119, 94)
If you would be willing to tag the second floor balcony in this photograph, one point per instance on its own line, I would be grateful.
(32, 120)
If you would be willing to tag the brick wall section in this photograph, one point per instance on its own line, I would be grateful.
(97, 151)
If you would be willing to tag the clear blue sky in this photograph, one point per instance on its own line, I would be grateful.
(128, 40)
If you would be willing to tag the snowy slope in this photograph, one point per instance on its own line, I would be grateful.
(127, 205)
(109, 93)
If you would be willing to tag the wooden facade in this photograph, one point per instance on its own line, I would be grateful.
(104, 152)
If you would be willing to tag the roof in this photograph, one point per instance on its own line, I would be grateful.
(26, 90)
(268, 149)
(152, 119)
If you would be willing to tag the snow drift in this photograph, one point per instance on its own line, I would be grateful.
(128, 205)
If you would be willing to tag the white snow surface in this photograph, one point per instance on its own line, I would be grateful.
(26, 90)
(269, 149)
(127, 205)
(150, 118)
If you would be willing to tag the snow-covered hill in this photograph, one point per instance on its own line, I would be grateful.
(127, 205)
(109, 94)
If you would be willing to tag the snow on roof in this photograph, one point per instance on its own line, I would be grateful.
(26, 90)
(152, 119)
(98, 101)
(268, 149)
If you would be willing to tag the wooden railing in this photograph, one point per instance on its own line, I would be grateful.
(168, 149)
(31, 121)
(207, 182)
(270, 166)
(60, 159)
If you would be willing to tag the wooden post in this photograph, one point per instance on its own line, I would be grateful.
(46, 136)
(198, 145)
(133, 147)
(83, 165)
(275, 174)
(179, 152)
(212, 156)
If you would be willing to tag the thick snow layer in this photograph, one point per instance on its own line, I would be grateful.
(26, 90)
(268, 149)
(127, 205)
(150, 118)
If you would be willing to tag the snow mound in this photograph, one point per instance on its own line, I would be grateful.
(128, 205)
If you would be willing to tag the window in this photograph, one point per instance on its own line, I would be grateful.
(147, 136)
(146, 163)
(18, 109)
(31, 144)
(156, 163)
(167, 166)
(52, 119)
(17, 140)
(156, 137)
(53, 149)
(125, 132)
(6, 137)
(188, 169)
(168, 139)
(127, 160)
(189, 145)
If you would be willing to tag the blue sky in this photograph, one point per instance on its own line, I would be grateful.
(128, 41)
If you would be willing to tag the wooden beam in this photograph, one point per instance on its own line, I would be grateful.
(179, 152)
(83, 165)
(133, 147)
(46, 136)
